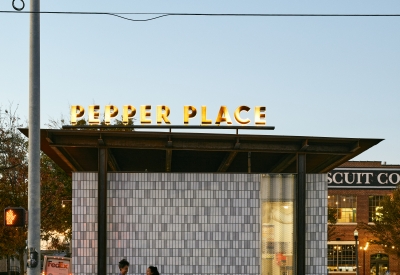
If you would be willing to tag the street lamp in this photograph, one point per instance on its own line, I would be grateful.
(356, 238)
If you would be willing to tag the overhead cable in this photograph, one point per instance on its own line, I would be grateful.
(123, 15)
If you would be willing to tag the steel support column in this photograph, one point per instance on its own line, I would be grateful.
(300, 235)
(249, 162)
(102, 212)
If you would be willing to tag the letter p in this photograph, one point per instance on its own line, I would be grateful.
(76, 111)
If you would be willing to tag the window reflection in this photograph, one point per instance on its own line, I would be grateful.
(277, 238)
(341, 257)
(345, 207)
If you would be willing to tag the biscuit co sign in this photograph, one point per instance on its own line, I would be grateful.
(363, 179)
(241, 114)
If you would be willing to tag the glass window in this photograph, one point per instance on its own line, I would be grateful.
(277, 255)
(345, 207)
(375, 203)
(341, 257)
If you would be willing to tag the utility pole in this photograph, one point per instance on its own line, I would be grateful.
(34, 142)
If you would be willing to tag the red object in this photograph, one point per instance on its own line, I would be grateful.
(280, 259)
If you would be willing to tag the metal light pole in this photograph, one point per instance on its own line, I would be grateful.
(34, 142)
(356, 238)
(364, 261)
(364, 249)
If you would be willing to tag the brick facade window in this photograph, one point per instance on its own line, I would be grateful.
(341, 257)
(374, 205)
(346, 207)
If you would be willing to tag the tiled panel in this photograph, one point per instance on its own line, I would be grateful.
(316, 224)
(181, 223)
(84, 223)
(185, 223)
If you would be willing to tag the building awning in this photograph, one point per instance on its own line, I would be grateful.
(139, 151)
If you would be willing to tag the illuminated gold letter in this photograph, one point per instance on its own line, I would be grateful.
(93, 115)
(128, 112)
(237, 115)
(186, 114)
(144, 114)
(108, 114)
(161, 115)
(204, 119)
(259, 115)
(223, 116)
(76, 111)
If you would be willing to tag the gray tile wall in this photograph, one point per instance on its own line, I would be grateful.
(185, 223)
(84, 223)
(316, 224)
(181, 223)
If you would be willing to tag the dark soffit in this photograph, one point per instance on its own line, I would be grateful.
(138, 151)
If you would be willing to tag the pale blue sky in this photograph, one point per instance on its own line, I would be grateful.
(317, 76)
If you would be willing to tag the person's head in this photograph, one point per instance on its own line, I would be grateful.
(152, 270)
(123, 266)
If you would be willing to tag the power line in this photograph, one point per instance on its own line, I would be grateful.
(122, 15)
(202, 14)
(138, 20)
(119, 15)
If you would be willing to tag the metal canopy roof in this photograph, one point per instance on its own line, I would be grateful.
(138, 151)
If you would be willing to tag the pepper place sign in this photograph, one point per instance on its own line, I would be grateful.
(242, 114)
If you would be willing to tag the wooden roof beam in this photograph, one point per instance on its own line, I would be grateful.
(330, 164)
(283, 163)
(355, 146)
(112, 162)
(304, 146)
(67, 158)
(227, 161)
(203, 144)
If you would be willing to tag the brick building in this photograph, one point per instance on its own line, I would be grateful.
(355, 190)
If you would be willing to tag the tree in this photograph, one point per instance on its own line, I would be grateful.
(56, 221)
(59, 123)
(56, 185)
(332, 219)
(386, 226)
(13, 182)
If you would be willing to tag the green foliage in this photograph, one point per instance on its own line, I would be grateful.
(55, 187)
(386, 226)
(13, 182)
(57, 124)
(56, 221)
(332, 220)
(332, 215)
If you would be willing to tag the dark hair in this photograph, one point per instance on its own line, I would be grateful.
(154, 270)
(123, 263)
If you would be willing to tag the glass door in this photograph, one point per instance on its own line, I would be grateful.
(379, 264)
